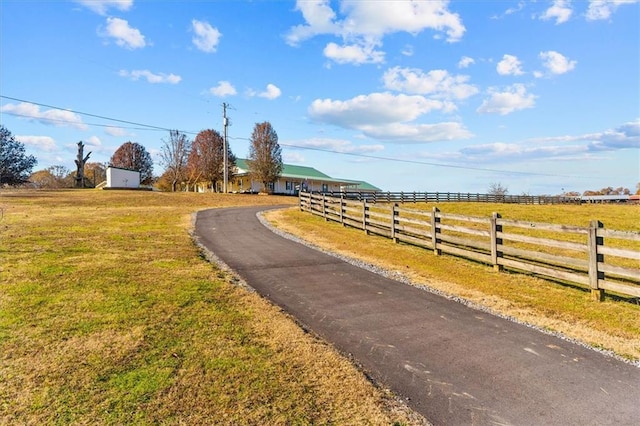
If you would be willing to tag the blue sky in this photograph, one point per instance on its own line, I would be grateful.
(540, 96)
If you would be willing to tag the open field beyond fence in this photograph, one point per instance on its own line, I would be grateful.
(592, 256)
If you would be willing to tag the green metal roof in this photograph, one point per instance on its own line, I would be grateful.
(291, 171)
(362, 185)
(303, 172)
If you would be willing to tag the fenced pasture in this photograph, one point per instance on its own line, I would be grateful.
(567, 253)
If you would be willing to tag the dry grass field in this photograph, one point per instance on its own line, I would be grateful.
(109, 314)
(612, 325)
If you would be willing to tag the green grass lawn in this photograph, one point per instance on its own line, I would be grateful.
(109, 314)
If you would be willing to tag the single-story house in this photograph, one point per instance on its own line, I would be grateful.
(293, 179)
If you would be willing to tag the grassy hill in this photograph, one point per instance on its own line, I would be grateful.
(109, 314)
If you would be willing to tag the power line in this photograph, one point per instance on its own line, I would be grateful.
(57, 120)
(424, 163)
(375, 157)
(87, 114)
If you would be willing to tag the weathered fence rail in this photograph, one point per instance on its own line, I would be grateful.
(441, 197)
(569, 253)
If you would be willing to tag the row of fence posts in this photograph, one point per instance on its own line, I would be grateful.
(594, 241)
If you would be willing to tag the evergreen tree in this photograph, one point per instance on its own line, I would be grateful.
(15, 164)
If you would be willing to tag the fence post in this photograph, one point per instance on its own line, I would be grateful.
(495, 241)
(324, 206)
(594, 257)
(365, 209)
(342, 209)
(435, 230)
(394, 214)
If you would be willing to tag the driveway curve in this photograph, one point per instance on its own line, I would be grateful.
(453, 364)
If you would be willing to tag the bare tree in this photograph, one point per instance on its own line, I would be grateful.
(174, 154)
(609, 191)
(81, 160)
(52, 178)
(206, 159)
(96, 172)
(265, 154)
(496, 188)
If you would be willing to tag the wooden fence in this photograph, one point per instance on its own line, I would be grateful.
(568, 253)
(441, 197)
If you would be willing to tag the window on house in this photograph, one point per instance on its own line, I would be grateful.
(289, 186)
(325, 187)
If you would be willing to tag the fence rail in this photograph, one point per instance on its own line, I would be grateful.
(569, 253)
(441, 197)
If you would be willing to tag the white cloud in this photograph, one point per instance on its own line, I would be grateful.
(518, 8)
(560, 11)
(509, 65)
(338, 145)
(512, 99)
(407, 50)
(556, 63)
(124, 35)
(512, 10)
(465, 61)
(364, 25)
(271, 93)
(569, 147)
(102, 6)
(206, 37)
(293, 157)
(380, 18)
(319, 17)
(603, 9)
(44, 143)
(382, 108)
(354, 54)
(498, 151)
(388, 117)
(224, 88)
(622, 137)
(56, 117)
(151, 77)
(115, 131)
(438, 83)
(94, 142)
(418, 133)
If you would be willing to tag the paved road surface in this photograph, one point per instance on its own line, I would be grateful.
(454, 365)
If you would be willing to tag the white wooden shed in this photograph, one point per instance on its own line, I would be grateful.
(122, 178)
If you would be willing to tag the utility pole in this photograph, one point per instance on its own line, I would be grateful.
(225, 172)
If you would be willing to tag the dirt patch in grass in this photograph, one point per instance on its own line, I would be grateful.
(610, 325)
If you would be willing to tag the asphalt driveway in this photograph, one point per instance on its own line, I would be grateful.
(451, 363)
